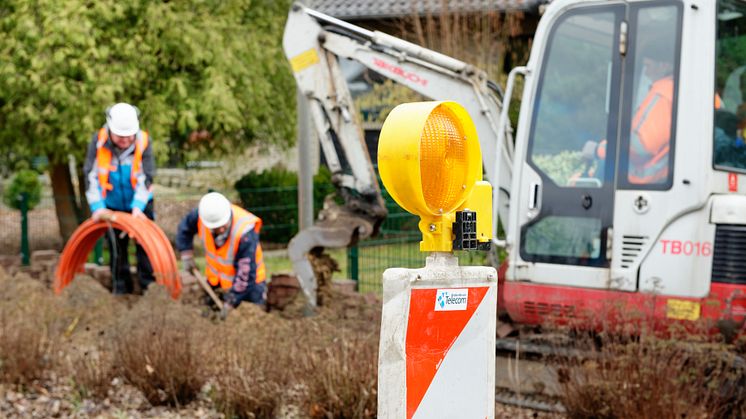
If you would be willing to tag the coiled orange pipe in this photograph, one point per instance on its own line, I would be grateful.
(144, 231)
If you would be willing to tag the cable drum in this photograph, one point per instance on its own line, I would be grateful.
(144, 231)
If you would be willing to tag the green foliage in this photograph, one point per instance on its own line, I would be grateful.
(272, 195)
(213, 66)
(25, 181)
(561, 167)
(731, 54)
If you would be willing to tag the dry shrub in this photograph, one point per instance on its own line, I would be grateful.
(25, 344)
(269, 366)
(92, 304)
(24, 348)
(157, 349)
(247, 387)
(252, 370)
(92, 373)
(88, 313)
(344, 377)
(255, 364)
(648, 376)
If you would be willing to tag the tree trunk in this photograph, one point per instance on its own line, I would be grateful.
(84, 211)
(65, 203)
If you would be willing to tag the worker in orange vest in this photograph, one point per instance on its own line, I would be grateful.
(650, 130)
(233, 255)
(120, 168)
(650, 134)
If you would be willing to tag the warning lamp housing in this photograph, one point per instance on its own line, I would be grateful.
(431, 163)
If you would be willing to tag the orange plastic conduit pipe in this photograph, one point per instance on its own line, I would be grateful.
(144, 231)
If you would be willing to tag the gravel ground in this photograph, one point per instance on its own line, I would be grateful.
(60, 401)
(123, 401)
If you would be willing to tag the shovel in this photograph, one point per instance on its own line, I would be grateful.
(208, 289)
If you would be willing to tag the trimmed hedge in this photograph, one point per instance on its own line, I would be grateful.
(273, 196)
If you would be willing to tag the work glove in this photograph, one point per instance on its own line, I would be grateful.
(137, 213)
(100, 214)
(188, 263)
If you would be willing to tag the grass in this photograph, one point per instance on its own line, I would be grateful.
(277, 261)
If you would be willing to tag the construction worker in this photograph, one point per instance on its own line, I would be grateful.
(650, 133)
(233, 255)
(119, 169)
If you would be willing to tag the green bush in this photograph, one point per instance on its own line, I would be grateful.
(273, 196)
(25, 181)
(564, 166)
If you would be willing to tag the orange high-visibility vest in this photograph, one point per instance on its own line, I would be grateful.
(220, 269)
(103, 160)
(652, 125)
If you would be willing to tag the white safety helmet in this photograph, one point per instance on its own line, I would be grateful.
(122, 119)
(214, 210)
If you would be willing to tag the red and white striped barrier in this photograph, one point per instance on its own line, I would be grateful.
(437, 349)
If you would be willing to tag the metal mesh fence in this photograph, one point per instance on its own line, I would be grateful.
(44, 223)
(43, 228)
(396, 246)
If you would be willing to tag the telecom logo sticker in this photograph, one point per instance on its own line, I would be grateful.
(453, 299)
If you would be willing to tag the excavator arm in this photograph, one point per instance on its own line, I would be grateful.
(314, 43)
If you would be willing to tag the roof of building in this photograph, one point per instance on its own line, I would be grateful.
(379, 9)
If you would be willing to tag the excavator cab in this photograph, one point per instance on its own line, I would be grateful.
(624, 181)
(629, 163)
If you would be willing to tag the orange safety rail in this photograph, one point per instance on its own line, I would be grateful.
(144, 231)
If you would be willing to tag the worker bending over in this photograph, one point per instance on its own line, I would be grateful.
(233, 255)
(119, 168)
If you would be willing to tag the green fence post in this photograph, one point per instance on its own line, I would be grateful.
(98, 252)
(352, 267)
(25, 252)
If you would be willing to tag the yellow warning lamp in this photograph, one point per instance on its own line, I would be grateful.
(431, 163)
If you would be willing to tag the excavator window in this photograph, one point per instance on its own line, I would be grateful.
(648, 113)
(730, 87)
(573, 104)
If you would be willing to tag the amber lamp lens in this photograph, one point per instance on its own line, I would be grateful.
(443, 160)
